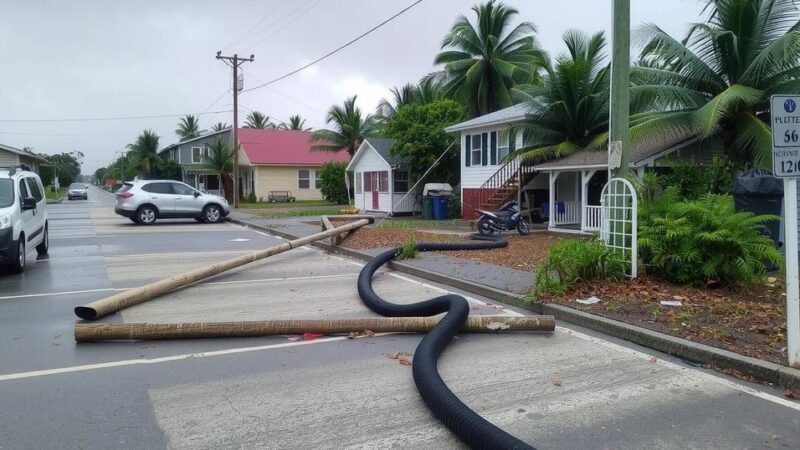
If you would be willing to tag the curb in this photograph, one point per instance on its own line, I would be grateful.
(693, 352)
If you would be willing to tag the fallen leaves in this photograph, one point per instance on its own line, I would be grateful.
(794, 395)
(358, 334)
(404, 358)
(557, 382)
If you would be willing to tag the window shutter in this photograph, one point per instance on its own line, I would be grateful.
(484, 148)
(468, 151)
(493, 148)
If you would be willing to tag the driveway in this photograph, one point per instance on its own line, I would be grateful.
(571, 389)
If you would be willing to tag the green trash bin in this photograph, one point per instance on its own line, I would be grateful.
(427, 207)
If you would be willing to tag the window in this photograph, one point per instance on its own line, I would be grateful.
(303, 179)
(33, 188)
(6, 193)
(199, 154)
(476, 150)
(376, 181)
(358, 182)
(401, 181)
(158, 188)
(316, 179)
(23, 191)
(182, 189)
(502, 145)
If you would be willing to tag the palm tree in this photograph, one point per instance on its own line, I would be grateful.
(570, 107)
(295, 123)
(144, 152)
(717, 81)
(219, 126)
(426, 91)
(219, 160)
(258, 120)
(349, 128)
(188, 128)
(484, 61)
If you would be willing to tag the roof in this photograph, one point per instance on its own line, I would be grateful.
(641, 153)
(507, 116)
(25, 153)
(204, 135)
(383, 147)
(284, 148)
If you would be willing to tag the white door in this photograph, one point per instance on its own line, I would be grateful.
(39, 214)
(186, 202)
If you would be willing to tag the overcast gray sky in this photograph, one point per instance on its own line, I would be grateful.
(111, 58)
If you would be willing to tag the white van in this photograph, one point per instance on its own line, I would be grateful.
(23, 217)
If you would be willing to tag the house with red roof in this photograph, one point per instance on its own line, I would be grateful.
(269, 160)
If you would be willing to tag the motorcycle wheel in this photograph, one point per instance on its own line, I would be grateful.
(523, 228)
(484, 227)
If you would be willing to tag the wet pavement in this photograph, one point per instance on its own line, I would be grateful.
(570, 389)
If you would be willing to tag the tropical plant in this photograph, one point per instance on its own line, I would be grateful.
(426, 91)
(144, 153)
(482, 62)
(258, 120)
(349, 128)
(295, 123)
(717, 81)
(168, 169)
(419, 138)
(66, 166)
(574, 260)
(569, 108)
(188, 128)
(219, 160)
(331, 182)
(695, 180)
(219, 126)
(700, 240)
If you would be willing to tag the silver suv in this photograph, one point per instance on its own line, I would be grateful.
(145, 201)
(23, 217)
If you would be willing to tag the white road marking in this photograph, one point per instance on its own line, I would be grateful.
(239, 240)
(131, 362)
(705, 376)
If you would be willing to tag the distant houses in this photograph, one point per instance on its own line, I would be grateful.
(10, 156)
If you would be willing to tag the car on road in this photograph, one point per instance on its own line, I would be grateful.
(78, 190)
(23, 217)
(145, 201)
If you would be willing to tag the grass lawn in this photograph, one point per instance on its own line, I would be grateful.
(53, 195)
(301, 211)
(280, 205)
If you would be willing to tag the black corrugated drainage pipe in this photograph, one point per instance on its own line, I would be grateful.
(470, 427)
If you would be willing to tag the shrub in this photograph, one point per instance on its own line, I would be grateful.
(408, 250)
(251, 197)
(331, 182)
(695, 180)
(698, 240)
(571, 261)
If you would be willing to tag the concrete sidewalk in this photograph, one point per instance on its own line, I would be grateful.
(514, 281)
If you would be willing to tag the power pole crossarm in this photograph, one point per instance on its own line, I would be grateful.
(235, 61)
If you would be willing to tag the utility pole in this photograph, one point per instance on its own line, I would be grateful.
(234, 62)
(619, 139)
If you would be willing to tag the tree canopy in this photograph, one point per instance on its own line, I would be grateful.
(348, 128)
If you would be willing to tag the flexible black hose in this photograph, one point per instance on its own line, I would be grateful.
(470, 427)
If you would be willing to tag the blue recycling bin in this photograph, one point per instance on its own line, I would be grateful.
(439, 208)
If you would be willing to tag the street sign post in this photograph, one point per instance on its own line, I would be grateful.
(786, 164)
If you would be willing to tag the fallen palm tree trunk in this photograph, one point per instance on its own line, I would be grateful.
(90, 332)
(117, 302)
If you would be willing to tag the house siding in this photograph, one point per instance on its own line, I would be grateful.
(8, 158)
(285, 178)
(371, 161)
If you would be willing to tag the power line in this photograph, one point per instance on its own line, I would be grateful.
(284, 95)
(314, 4)
(263, 18)
(104, 119)
(340, 48)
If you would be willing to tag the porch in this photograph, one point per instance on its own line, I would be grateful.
(573, 204)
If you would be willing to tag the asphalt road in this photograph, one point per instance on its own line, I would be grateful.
(571, 389)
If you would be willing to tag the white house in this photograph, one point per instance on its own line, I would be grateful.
(381, 180)
(564, 193)
(10, 157)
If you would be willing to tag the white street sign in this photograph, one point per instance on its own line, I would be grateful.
(786, 135)
(615, 155)
(786, 164)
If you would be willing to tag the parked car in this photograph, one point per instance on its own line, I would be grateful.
(78, 190)
(145, 201)
(23, 217)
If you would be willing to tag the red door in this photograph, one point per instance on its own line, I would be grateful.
(375, 200)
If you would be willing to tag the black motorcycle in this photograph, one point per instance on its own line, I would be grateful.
(507, 218)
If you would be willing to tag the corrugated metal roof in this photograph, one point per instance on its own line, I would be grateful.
(284, 147)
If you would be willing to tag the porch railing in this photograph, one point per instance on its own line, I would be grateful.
(592, 217)
(567, 213)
